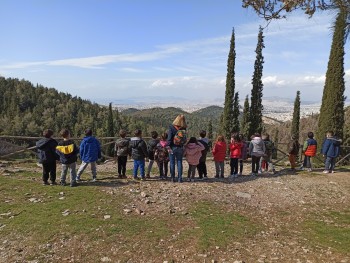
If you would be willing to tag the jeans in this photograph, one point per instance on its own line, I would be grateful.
(330, 163)
(73, 173)
(255, 164)
(139, 164)
(163, 168)
(219, 167)
(307, 162)
(49, 170)
(234, 165)
(149, 168)
(83, 166)
(202, 169)
(176, 156)
(191, 171)
(122, 160)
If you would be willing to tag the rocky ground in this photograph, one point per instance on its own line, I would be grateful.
(282, 205)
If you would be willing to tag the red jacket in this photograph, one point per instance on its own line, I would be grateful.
(236, 149)
(219, 151)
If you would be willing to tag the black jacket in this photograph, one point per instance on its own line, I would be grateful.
(138, 148)
(152, 144)
(67, 151)
(46, 150)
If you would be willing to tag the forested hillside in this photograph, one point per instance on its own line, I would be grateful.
(25, 110)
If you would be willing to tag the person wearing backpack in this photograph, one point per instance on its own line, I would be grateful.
(266, 160)
(151, 147)
(121, 148)
(161, 156)
(46, 150)
(176, 139)
(202, 166)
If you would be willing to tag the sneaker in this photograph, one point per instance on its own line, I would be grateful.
(205, 177)
(53, 183)
(333, 172)
(181, 181)
(78, 179)
(62, 183)
(120, 176)
(45, 183)
(216, 176)
(135, 178)
(253, 174)
(73, 184)
(124, 176)
(94, 179)
(325, 171)
(148, 176)
(143, 179)
(240, 174)
(309, 169)
(222, 176)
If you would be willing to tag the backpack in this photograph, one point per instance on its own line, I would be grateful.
(180, 138)
(161, 154)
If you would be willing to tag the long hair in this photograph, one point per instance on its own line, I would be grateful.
(180, 121)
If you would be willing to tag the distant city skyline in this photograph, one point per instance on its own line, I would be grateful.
(127, 48)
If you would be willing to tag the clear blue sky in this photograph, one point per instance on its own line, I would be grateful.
(99, 49)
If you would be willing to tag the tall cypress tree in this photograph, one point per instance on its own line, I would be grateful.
(256, 124)
(332, 108)
(110, 129)
(230, 89)
(210, 130)
(235, 113)
(296, 116)
(245, 123)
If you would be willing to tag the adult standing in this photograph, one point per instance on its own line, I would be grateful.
(175, 141)
(256, 151)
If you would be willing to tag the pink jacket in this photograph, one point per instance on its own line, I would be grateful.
(193, 153)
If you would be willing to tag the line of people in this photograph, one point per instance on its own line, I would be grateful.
(171, 147)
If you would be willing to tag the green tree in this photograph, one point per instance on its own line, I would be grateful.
(227, 118)
(332, 107)
(256, 107)
(110, 129)
(210, 130)
(296, 116)
(235, 114)
(245, 121)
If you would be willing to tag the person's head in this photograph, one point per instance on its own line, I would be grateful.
(220, 138)
(235, 137)
(88, 132)
(180, 121)
(330, 134)
(266, 137)
(154, 134)
(203, 133)
(241, 137)
(122, 133)
(47, 133)
(192, 140)
(164, 136)
(65, 133)
(137, 133)
(310, 135)
(257, 134)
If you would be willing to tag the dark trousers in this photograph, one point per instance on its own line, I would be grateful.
(191, 171)
(240, 166)
(234, 165)
(202, 169)
(49, 171)
(255, 164)
(122, 164)
(307, 161)
(163, 168)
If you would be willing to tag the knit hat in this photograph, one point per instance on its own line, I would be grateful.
(180, 121)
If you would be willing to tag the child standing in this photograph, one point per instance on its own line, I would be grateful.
(152, 143)
(309, 149)
(243, 153)
(202, 167)
(46, 149)
(68, 152)
(138, 153)
(235, 153)
(269, 148)
(330, 150)
(256, 151)
(293, 150)
(122, 149)
(90, 152)
(193, 152)
(219, 153)
(161, 156)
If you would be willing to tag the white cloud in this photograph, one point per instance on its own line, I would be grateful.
(347, 72)
(131, 70)
(273, 80)
(315, 79)
(162, 83)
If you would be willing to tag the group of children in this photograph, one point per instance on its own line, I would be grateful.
(172, 146)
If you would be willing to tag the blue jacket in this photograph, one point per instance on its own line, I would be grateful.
(90, 149)
(330, 147)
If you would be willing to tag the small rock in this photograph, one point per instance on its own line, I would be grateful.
(244, 195)
(61, 193)
(147, 201)
(107, 217)
(106, 259)
(66, 212)
(127, 211)
(61, 198)
(143, 195)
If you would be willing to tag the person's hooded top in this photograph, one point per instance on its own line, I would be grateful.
(193, 152)
(46, 149)
(152, 144)
(330, 147)
(122, 147)
(67, 151)
(205, 142)
(257, 147)
(90, 150)
(138, 148)
(236, 149)
(219, 151)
